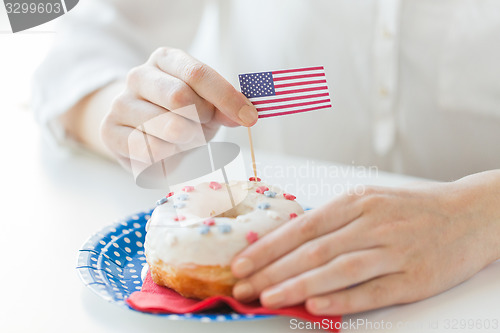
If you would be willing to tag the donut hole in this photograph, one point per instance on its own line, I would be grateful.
(242, 208)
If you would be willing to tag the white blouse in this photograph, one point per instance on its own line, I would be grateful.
(415, 84)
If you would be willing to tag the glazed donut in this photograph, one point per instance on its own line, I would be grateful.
(193, 235)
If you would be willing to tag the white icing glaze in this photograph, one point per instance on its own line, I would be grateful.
(178, 242)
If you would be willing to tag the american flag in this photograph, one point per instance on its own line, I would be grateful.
(286, 91)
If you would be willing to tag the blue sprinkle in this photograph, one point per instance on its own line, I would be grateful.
(179, 205)
(224, 228)
(270, 194)
(204, 229)
(263, 205)
(183, 196)
(161, 201)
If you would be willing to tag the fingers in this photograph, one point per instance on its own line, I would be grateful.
(310, 255)
(153, 120)
(222, 119)
(127, 110)
(164, 90)
(344, 271)
(380, 292)
(294, 233)
(207, 83)
(136, 145)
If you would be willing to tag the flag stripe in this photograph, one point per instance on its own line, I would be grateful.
(291, 103)
(308, 86)
(300, 90)
(307, 93)
(277, 107)
(277, 100)
(295, 108)
(292, 112)
(284, 78)
(299, 73)
(298, 70)
(277, 86)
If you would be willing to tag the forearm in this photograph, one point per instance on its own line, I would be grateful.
(479, 194)
(83, 120)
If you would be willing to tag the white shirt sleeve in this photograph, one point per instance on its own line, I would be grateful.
(96, 43)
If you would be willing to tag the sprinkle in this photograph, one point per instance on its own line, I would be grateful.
(171, 239)
(262, 189)
(293, 215)
(270, 194)
(209, 222)
(161, 201)
(183, 196)
(273, 214)
(242, 218)
(251, 237)
(188, 188)
(170, 194)
(263, 205)
(289, 196)
(253, 179)
(215, 185)
(224, 228)
(179, 218)
(179, 204)
(204, 229)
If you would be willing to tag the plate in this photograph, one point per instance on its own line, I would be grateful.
(111, 261)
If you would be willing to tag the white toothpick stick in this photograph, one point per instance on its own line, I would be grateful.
(253, 153)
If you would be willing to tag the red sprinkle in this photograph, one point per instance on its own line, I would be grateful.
(179, 218)
(262, 189)
(251, 237)
(253, 179)
(215, 185)
(289, 196)
(188, 188)
(209, 222)
(170, 194)
(293, 215)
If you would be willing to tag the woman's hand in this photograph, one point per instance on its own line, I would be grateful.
(387, 246)
(168, 81)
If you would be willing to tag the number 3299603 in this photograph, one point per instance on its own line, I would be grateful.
(24, 8)
(471, 324)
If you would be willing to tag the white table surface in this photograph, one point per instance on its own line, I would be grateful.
(51, 204)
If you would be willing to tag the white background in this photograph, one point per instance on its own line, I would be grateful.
(50, 203)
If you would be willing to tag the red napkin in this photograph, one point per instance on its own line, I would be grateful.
(157, 299)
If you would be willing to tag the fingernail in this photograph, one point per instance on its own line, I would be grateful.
(321, 303)
(273, 298)
(242, 267)
(248, 115)
(243, 290)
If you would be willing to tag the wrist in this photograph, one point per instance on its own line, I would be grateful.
(476, 201)
(82, 122)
